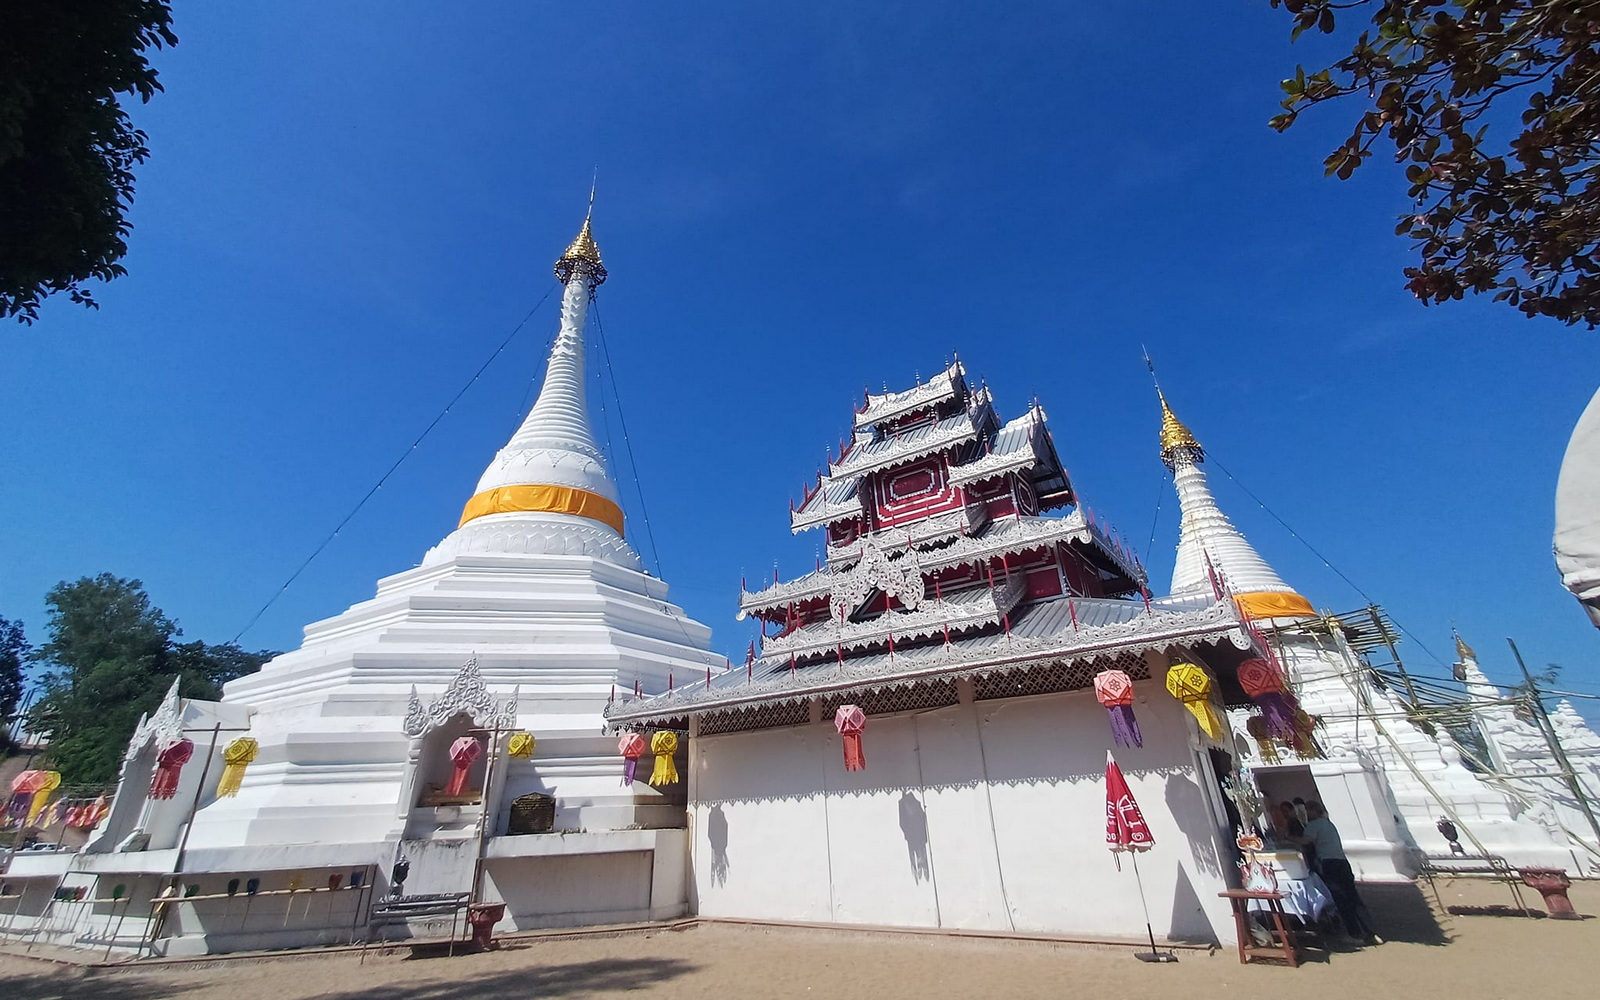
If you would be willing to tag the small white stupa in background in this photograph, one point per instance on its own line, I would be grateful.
(528, 618)
(1385, 779)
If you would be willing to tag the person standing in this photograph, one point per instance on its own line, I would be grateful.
(1334, 867)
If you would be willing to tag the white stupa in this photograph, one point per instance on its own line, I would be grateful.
(531, 615)
(1212, 554)
(1385, 780)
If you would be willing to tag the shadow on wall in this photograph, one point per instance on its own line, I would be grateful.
(1188, 806)
(717, 833)
(1189, 922)
(914, 826)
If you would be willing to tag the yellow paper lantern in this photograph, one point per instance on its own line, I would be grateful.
(664, 745)
(521, 745)
(236, 756)
(1192, 686)
(47, 782)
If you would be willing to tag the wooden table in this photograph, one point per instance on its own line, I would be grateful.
(1286, 945)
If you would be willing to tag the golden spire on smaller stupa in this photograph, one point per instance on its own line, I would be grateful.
(1175, 435)
(583, 254)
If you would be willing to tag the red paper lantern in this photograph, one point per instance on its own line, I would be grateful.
(169, 764)
(1258, 677)
(850, 721)
(1114, 689)
(632, 746)
(463, 752)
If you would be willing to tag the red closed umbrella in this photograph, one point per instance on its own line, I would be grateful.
(1127, 831)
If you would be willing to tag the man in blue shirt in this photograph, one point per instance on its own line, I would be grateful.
(1335, 870)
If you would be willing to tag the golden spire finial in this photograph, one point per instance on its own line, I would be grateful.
(1464, 651)
(583, 255)
(1175, 436)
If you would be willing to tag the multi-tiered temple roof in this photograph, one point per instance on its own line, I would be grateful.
(956, 548)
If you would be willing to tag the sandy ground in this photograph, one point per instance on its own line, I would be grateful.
(1427, 954)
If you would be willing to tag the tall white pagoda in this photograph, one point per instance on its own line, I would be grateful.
(528, 618)
(1385, 779)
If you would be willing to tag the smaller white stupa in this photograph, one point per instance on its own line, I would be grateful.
(1385, 780)
(1213, 556)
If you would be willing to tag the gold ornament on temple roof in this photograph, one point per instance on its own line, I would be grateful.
(582, 255)
(1464, 651)
(1175, 436)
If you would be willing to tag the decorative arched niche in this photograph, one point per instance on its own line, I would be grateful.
(465, 708)
(435, 768)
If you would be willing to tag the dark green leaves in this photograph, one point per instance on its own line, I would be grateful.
(1446, 83)
(111, 655)
(67, 147)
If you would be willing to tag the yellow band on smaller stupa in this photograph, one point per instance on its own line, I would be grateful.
(544, 499)
(1275, 605)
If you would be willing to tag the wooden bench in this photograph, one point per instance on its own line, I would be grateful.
(400, 909)
(1286, 945)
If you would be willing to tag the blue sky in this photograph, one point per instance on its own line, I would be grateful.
(351, 205)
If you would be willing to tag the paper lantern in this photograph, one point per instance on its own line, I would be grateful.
(236, 756)
(850, 721)
(1192, 686)
(1265, 686)
(1114, 689)
(1256, 726)
(521, 745)
(664, 745)
(25, 787)
(463, 753)
(43, 785)
(631, 746)
(169, 764)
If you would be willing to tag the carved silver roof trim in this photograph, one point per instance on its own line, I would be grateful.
(961, 611)
(466, 693)
(967, 521)
(889, 405)
(1041, 639)
(834, 500)
(1014, 450)
(901, 448)
(1008, 535)
(1018, 534)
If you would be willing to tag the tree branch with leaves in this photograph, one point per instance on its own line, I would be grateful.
(67, 147)
(1493, 106)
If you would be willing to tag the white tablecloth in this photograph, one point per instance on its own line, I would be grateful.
(1307, 898)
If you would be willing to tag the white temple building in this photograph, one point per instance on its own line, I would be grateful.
(528, 618)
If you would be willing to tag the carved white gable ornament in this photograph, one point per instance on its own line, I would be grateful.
(163, 727)
(875, 571)
(467, 694)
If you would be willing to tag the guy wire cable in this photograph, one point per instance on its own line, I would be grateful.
(391, 470)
